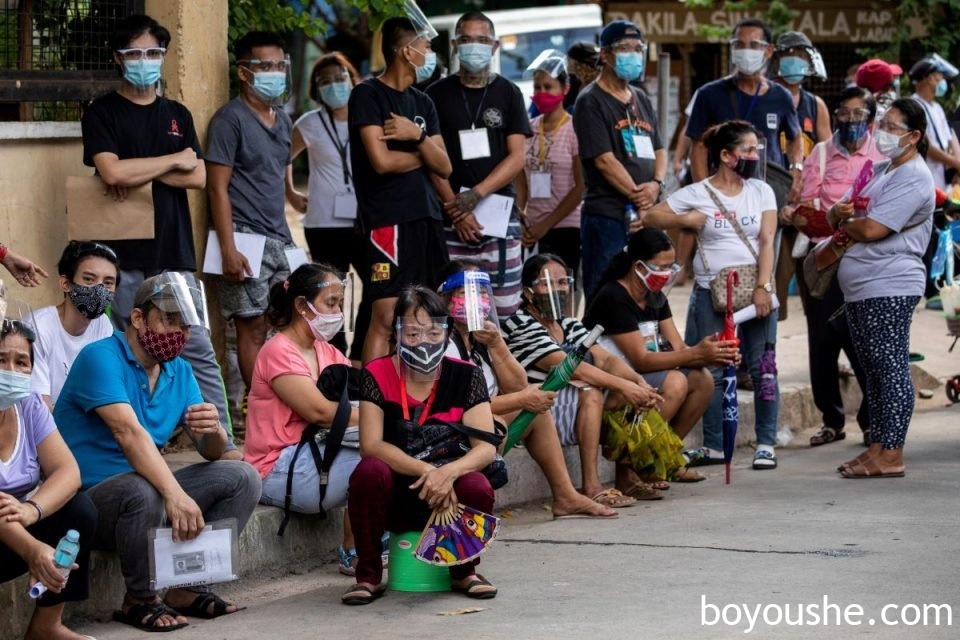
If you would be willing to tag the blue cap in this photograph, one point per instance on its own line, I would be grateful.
(619, 30)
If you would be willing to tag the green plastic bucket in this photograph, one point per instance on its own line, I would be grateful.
(406, 573)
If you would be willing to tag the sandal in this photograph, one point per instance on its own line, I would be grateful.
(360, 594)
(613, 498)
(869, 469)
(144, 616)
(686, 474)
(643, 491)
(656, 483)
(470, 589)
(200, 607)
(826, 435)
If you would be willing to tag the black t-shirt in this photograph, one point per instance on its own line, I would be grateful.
(113, 124)
(498, 107)
(392, 198)
(605, 124)
(613, 308)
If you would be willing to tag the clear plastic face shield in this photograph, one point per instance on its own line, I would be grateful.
(420, 23)
(421, 343)
(659, 278)
(180, 303)
(948, 70)
(790, 69)
(270, 80)
(470, 299)
(551, 293)
(551, 62)
(751, 159)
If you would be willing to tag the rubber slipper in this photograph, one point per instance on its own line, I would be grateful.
(360, 594)
(614, 499)
(200, 607)
(476, 595)
(868, 469)
(643, 491)
(144, 616)
(585, 514)
(686, 474)
(826, 435)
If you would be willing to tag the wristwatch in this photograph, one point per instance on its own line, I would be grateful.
(766, 286)
(796, 166)
(423, 136)
(659, 182)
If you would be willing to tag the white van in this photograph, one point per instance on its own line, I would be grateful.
(523, 34)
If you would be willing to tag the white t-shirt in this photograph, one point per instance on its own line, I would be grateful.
(55, 350)
(326, 167)
(719, 240)
(939, 134)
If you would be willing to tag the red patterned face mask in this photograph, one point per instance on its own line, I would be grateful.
(162, 347)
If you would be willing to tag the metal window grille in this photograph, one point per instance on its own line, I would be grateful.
(54, 55)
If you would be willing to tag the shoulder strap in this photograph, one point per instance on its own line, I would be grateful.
(490, 438)
(733, 222)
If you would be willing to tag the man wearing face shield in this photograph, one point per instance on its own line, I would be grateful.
(797, 60)
(624, 162)
(248, 158)
(484, 125)
(123, 399)
(133, 137)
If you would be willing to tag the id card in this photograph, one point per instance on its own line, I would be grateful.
(345, 206)
(540, 184)
(644, 146)
(474, 144)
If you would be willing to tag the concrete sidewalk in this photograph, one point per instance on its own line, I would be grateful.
(787, 537)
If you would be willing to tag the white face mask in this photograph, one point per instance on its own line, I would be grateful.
(889, 144)
(325, 325)
(748, 61)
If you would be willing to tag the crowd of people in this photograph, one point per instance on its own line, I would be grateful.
(468, 222)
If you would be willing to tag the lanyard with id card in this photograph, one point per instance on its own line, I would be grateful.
(642, 143)
(540, 180)
(345, 202)
(474, 142)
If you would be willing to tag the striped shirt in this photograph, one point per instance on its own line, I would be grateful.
(559, 150)
(529, 341)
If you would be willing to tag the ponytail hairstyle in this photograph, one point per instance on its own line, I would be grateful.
(727, 136)
(304, 282)
(644, 245)
(914, 117)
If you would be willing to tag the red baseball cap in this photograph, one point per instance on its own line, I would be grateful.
(876, 75)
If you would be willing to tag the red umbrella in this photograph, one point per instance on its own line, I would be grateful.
(731, 412)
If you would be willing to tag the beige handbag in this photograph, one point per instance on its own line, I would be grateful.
(747, 274)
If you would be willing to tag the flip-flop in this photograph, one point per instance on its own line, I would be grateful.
(144, 615)
(614, 499)
(868, 469)
(368, 596)
(584, 514)
(200, 607)
(643, 491)
(476, 595)
(686, 474)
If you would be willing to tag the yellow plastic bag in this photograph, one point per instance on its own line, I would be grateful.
(643, 441)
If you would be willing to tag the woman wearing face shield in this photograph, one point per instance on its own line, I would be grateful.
(829, 172)
(33, 519)
(307, 311)
(631, 304)
(402, 394)
(539, 334)
(467, 291)
(741, 236)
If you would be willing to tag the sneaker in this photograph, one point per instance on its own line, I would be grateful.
(348, 561)
(703, 456)
(764, 459)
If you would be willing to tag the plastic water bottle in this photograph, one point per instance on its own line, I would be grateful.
(64, 556)
(629, 217)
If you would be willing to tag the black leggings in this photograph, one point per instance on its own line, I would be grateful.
(79, 514)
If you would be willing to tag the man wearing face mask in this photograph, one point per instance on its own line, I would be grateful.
(395, 145)
(123, 399)
(89, 274)
(133, 137)
(484, 125)
(624, 161)
(943, 156)
(796, 61)
(248, 158)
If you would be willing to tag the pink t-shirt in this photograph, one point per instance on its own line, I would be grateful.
(560, 151)
(841, 169)
(272, 425)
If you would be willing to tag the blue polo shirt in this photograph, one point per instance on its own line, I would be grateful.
(106, 372)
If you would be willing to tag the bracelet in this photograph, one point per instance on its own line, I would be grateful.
(3, 252)
(37, 507)
(423, 136)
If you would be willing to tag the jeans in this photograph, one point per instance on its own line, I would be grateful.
(703, 321)
(306, 480)
(198, 352)
(601, 238)
(129, 506)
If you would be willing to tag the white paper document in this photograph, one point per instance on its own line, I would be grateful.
(249, 244)
(296, 258)
(750, 312)
(493, 214)
(206, 559)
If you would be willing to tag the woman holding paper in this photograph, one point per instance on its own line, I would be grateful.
(33, 519)
(735, 218)
(828, 174)
(885, 230)
(631, 304)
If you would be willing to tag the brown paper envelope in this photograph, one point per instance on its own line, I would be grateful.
(91, 215)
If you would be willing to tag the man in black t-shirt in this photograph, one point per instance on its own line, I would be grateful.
(134, 137)
(624, 162)
(395, 144)
(484, 125)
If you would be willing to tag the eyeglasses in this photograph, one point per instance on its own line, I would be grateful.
(756, 45)
(887, 125)
(151, 53)
(855, 115)
(474, 40)
(629, 46)
(267, 65)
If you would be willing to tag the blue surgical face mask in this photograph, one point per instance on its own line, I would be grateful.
(142, 73)
(14, 387)
(336, 94)
(270, 85)
(794, 69)
(629, 66)
(852, 133)
(425, 72)
(474, 56)
(941, 89)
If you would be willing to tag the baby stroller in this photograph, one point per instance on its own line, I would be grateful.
(947, 221)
